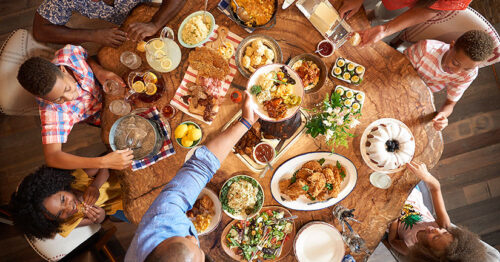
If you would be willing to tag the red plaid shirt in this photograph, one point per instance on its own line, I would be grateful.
(59, 119)
(425, 56)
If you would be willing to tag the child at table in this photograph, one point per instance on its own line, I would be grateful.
(52, 200)
(421, 237)
(452, 66)
(67, 93)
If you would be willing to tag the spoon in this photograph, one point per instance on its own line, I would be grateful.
(241, 13)
(205, 10)
(268, 166)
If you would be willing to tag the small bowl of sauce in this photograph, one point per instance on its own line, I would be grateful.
(263, 151)
(169, 111)
(324, 48)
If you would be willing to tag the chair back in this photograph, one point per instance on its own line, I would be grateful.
(450, 25)
(58, 247)
(19, 47)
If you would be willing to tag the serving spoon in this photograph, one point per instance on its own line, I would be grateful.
(268, 166)
(241, 13)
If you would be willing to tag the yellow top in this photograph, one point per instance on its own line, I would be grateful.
(109, 198)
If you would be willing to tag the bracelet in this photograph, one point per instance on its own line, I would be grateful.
(245, 123)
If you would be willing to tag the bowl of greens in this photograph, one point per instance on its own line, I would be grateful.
(241, 197)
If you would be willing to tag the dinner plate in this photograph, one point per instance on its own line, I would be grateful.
(319, 242)
(287, 247)
(286, 170)
(217, 217)
(362, 144)
(298, 91)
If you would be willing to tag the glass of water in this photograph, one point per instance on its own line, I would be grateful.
(120, 107)
(130, 60)
(111, 87)
(380, 180)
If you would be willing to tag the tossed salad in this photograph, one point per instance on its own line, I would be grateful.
(262, 237)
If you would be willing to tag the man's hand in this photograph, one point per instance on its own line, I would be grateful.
(91, 195)
(112, 37)
(440, 121)
(95, 214)
(349, 8)
(138, 31)
(372, 35)
(248, 111)
(120, 159)
(104, 75)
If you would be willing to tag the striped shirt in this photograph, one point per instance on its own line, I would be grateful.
(426, 56)
(58, 119)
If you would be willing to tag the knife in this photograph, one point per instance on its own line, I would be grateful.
(240, 87)
(287, 3)
(280, 145)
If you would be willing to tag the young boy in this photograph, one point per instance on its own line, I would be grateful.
(452, 66)
(68, 93)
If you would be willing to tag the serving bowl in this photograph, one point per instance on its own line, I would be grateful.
(267, 41)
(224, 198)
(185, 21)
(196, 142)
(323, 71)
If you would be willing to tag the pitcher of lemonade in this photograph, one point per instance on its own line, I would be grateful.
(163, 54)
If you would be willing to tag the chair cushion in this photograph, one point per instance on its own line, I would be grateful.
(450, 25)
(58, 247)
(20, 46)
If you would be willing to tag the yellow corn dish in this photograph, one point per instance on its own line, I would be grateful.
(260, 11)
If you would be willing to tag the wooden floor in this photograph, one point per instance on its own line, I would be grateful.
(469, 169)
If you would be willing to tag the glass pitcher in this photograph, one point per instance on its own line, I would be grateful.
(163, 54)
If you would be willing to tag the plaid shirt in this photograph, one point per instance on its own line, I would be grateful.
(59, 119)
(426, 56)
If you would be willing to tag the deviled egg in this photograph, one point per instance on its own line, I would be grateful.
(359, 70)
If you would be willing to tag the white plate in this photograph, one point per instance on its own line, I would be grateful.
(217, 207)
(286, 170)
(318, 242)
(298, 91)
(362, 144)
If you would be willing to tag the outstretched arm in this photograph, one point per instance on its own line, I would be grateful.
(396, 243)
(442, 218)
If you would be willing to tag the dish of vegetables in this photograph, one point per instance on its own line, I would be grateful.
(241, 197)
(266, 237)
(348, 71)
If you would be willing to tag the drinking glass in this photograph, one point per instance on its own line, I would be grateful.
(111, 87)
(380, 180)
(120, 107)
(130, 60)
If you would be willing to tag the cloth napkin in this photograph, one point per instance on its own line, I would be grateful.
(166, 150)
(224, 6)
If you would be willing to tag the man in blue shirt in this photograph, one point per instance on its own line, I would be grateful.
(52, 15)
(165, 233)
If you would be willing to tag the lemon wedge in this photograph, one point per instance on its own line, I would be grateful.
(159, 54)
(151, 89)
(150, 77)
(138, 86)
(166, 63)
(158, 44)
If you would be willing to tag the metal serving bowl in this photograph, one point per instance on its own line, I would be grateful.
(267, 25)
(267, 41)
(321, 65)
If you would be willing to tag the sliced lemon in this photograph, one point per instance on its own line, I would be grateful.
(150, 77)
(138, 86)
(158, 44)
(159, 54)
(151, 89)
(166, 63)
(141, 46)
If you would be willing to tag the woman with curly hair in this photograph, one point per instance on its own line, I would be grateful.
(52, 200)
(421, 237)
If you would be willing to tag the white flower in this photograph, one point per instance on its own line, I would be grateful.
(354, 123)
(336, 110)
(331, 119)
(340, 121)
(327, 123)
(329, 110)
(329, 134)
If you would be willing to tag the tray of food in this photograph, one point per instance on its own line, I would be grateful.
(206, 213)
(276, 92)
(351, 98)
(266, 237)
(313, 181)
(208, 77)
(279, 135)
(348, 71)
(241, 197)
(311, 69)
(255, 51)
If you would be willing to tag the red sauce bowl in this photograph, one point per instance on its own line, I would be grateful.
(325, 48)
(261, 149)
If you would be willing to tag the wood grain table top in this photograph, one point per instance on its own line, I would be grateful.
(393, 90)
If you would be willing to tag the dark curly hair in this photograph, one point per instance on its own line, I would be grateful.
(38, 76)
(477, 44)
(28, 212)
(465, 247)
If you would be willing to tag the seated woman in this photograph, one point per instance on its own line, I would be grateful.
(419, 11)
(421, 237)
(52, 200)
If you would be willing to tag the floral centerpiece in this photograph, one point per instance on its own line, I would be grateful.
(333, 118)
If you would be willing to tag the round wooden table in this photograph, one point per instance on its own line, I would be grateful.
(393, 89)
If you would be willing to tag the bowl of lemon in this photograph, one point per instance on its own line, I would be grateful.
(188, 134)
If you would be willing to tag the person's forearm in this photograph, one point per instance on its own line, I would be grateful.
(442, 218)
(447, 107)
(101, 177)
(413, 16)
(166, 12)
(59, 34)
(97, 69)
(60, 159)
(221, 145)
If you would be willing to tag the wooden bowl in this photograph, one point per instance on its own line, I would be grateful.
(322, 69)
